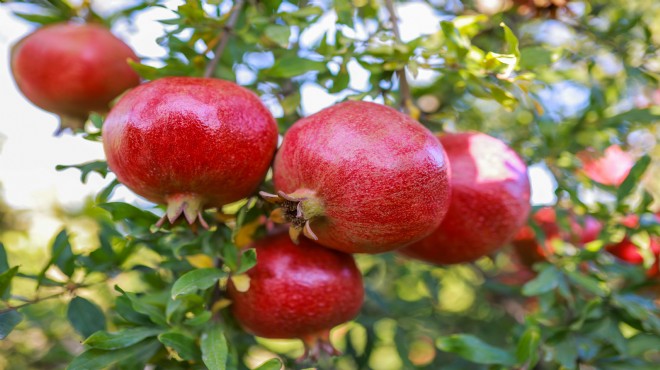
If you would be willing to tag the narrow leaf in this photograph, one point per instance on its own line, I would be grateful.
(86, 317)
(546, 281)
(120, 339)
(473, 349)
(633, 178)
(214, 348)
(5, 282)
(184, 345)
(195, 280)
(8, 321)
(101, 359)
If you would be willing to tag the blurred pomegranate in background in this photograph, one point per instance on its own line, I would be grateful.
(611, 168)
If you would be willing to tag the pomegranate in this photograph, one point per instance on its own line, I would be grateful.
(527, 247)
(72, 70)
(298, 291)
(627, 251)
(489, 200)
(609, 169)
(190, 143)
(360, 177)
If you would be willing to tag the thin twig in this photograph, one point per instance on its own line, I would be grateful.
(404, 87)
(34, 301)
(227, 30)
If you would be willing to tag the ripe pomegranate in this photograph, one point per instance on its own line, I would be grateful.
(627, 251)
(190, 143)
(489, 200)
(608, 169)
(298, 291)
(72, 70)
(360, 177)
(527, 247)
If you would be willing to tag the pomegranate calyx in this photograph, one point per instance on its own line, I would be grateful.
(74, 123)
(318, 346)
(190, 205)
(297, 208)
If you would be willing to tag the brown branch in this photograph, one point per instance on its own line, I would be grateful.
(227, 30)
(404, 87)
(34, 301)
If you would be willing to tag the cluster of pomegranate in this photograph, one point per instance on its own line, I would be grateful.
(357, 177)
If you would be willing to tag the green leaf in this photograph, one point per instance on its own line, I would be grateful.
(122, 211)
(528, 347)
(292, 66)
(61, 255)
(635, 174)
(473, 349)
(248, 260)
(5, 282)
(588, 283)
(4, 262)
(86, 317)
(8, 321)
(279, 34)
(214, 348)
(195, 280)
(272, 364)
(101, 359)
(546, 281)
(42, 19)
(120, 339)
(100, 167)
(155, 313)
(184, 345)
(512, 41)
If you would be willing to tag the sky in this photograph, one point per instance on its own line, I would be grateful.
(29, 150)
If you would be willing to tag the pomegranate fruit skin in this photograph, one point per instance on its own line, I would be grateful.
(206, 141)
(297, 291)
(490, 194)
(73, 69)
(381, 177)
(627, 251)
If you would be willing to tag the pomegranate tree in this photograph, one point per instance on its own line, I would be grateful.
(190, 143)
(298, 291)
(360, 177)
(489, 200)
(73, 69)
(627, 251)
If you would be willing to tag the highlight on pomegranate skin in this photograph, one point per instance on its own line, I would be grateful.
(489, 202)
(190, 143)
(298, 291)
(360, 177)
(73, 69)
(610, 168)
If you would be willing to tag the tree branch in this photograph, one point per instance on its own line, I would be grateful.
(34, 301)
(227, 30)
(404, 87)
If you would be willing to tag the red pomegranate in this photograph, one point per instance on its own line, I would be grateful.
(298, 291)
(527, 247)
(627, 251)
(190, 143)
(489, 201)
(611, 168)
(73, 69)
(360, 177)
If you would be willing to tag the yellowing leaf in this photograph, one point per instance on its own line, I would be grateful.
(244, 235)
(200, 260)
(241, 282)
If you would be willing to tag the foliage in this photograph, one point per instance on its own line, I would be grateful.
(550, 87)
